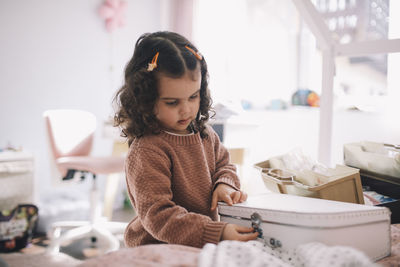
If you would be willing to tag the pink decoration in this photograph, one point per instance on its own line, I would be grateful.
(113, 13)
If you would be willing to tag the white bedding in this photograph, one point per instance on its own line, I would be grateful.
(254, 253)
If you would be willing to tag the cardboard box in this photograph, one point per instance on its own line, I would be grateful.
(344, 185)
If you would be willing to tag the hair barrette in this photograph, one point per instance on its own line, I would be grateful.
(153, 63)
(196, 54)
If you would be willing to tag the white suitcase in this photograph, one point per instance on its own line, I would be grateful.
(287, 221)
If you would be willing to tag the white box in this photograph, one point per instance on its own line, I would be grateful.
(374, 157)
(287, 221)
(16, 179)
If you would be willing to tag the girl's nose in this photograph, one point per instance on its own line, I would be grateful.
(185, 108)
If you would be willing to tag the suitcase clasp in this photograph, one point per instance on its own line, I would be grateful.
(256, 224)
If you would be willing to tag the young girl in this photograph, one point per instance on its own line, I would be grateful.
(176, 168)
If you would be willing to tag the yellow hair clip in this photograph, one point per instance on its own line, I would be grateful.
(197, 54)
(153, 63)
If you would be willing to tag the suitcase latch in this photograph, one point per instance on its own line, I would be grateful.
(256, 224)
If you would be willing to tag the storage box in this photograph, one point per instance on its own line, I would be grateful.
(287, 221)
(379, 165)
(344, 186)
(373, 157)
(387, 186)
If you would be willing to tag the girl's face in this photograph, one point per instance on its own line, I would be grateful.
(178, 102)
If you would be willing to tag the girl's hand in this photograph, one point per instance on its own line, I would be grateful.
(239, 233)
(229, 195)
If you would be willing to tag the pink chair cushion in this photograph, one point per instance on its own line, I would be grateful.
(96, 165)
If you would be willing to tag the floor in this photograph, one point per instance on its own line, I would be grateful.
(71, 254)
(84, 248)
(123, 215)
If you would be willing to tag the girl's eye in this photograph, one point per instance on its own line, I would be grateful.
(172, 103)
(194, 96)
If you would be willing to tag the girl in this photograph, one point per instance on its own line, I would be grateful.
(176, 168)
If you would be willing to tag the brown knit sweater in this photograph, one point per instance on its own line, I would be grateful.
(170, 181)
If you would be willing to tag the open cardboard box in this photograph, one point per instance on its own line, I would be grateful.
(344, 184)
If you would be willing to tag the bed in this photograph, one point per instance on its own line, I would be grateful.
(178, 255)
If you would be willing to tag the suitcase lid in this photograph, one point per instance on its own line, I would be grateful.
(304, 211)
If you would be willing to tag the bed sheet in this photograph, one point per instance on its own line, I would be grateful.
(178, 255)
(394, 258)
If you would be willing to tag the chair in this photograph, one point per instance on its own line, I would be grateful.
(70, 135)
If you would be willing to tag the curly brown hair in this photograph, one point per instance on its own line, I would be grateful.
(135, 100)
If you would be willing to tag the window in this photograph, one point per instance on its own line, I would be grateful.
(262, 50)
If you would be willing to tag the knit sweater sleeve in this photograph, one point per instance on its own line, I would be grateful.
(149, 182)
(225, 171)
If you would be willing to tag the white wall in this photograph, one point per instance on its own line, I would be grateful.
(57, 54)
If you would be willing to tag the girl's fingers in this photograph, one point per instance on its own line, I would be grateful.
(235, 197)
(237, 232)
(245, 233)
(239, 196)
(243, 197)
(248, 237)
(243, 229)
(227, 199)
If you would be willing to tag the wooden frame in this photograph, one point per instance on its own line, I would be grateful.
(331, 49)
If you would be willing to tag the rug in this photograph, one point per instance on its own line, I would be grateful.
(35, 254)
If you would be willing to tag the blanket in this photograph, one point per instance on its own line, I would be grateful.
(254, 253)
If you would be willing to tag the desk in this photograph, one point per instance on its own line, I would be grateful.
(16, 179)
